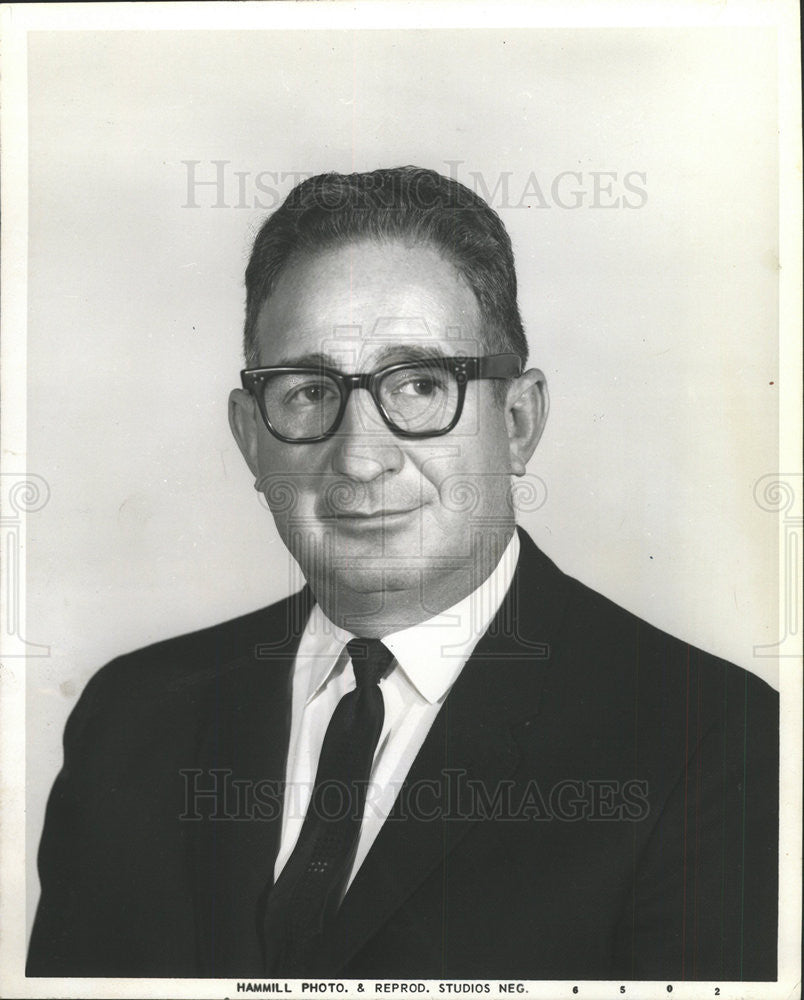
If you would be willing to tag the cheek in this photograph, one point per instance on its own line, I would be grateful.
(287, 478)
(476, 454)
(470, 486)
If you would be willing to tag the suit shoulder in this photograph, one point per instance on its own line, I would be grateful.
(661, 670)
(183, 661)
(613, 657)
(599, 614)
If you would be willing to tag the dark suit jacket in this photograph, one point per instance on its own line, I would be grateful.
(595, 800)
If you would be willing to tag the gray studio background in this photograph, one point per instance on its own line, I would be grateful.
(656, 324)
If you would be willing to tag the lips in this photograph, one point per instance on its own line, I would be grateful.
(375, 515)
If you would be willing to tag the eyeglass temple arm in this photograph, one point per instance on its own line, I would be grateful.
(498, 366)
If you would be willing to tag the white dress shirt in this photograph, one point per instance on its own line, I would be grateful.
(429, 657)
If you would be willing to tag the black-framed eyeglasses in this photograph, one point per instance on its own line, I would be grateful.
(416, 399)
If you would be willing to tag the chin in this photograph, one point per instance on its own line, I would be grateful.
(379, 601)
(375, 575)
(397, 578)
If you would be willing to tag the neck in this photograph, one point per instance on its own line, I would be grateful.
(374, 605)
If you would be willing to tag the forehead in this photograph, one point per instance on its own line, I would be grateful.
(352, 303)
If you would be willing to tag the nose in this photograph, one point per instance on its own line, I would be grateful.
(365, 448)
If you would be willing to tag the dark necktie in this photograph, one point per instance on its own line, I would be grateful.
(309, 888)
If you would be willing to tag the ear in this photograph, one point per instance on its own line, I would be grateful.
(526, 407)
(244, 422)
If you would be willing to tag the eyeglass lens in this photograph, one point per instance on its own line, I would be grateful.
(419, 398)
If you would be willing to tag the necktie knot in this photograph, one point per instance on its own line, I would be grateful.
(370, 660)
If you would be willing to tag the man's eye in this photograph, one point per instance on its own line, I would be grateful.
(311, 393)
(419, 386)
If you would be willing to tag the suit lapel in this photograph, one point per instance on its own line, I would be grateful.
(471, 741)
(243, 746)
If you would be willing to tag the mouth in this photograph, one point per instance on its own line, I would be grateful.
(373, 518)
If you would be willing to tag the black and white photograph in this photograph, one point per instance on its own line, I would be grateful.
(401, 500)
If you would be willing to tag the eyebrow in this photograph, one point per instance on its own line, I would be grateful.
(393, 353)
(313, 360)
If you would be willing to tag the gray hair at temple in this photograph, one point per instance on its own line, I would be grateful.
(407, 204)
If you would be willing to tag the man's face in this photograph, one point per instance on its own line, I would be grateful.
(381, 524)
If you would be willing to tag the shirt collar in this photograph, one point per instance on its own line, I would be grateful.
(432, 653)
(325, 642)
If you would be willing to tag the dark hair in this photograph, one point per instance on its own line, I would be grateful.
(410, 204)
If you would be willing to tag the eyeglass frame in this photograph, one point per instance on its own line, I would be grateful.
(465, 369)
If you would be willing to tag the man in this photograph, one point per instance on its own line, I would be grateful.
(443, 758)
